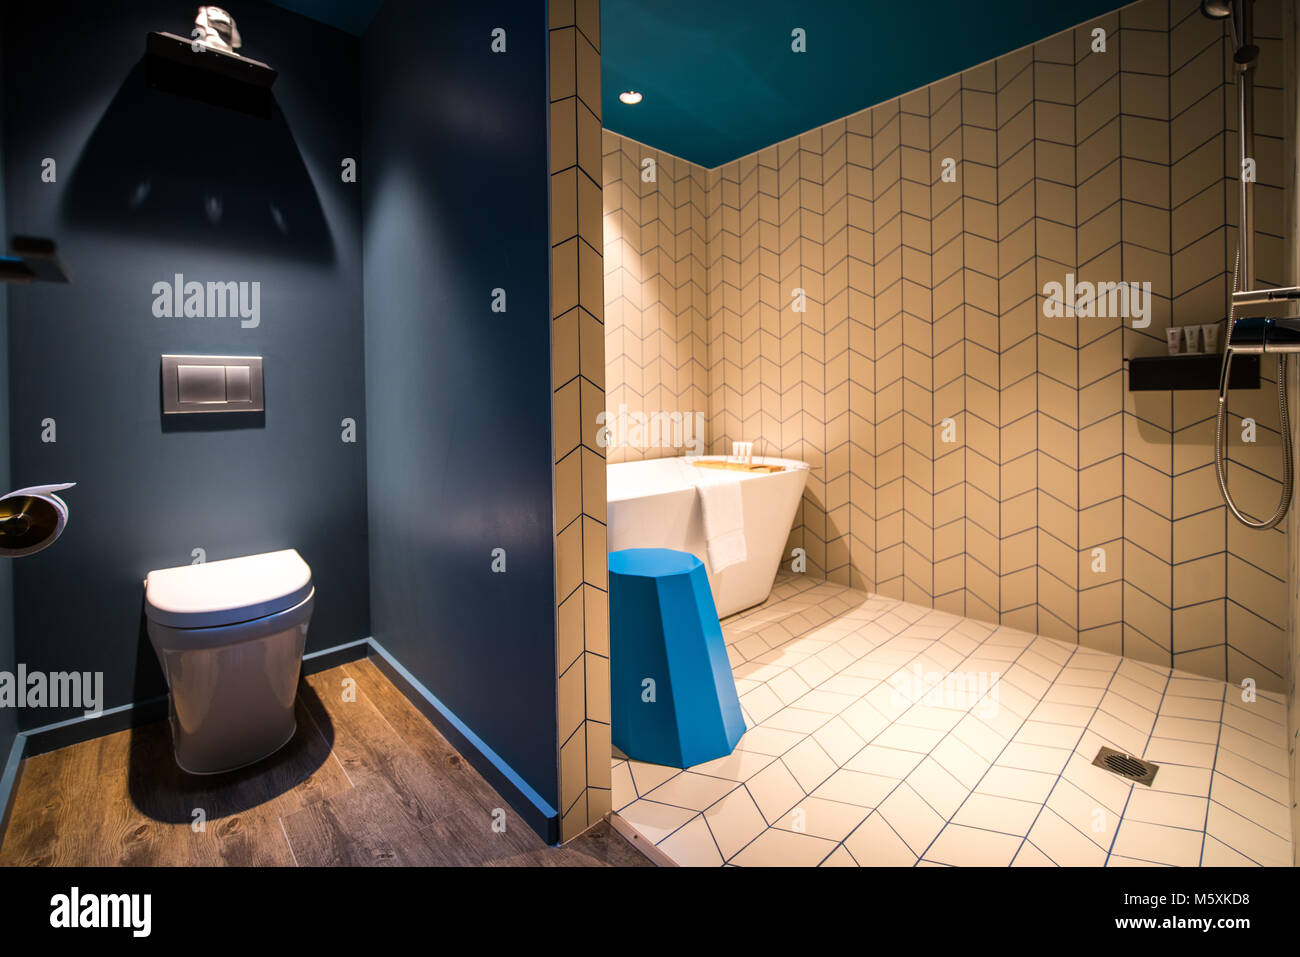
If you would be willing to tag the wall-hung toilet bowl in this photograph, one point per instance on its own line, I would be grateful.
(229, 636)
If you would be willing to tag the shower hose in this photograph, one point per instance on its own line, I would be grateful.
(1284, 421)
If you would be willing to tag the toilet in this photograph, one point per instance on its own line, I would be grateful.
(230, 636)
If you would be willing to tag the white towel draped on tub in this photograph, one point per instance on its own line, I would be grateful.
(724, 518)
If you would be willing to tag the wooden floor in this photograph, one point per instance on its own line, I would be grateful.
(363, 782)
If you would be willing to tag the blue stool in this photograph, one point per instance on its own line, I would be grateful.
(663, 626)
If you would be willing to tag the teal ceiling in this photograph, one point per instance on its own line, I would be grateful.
(350, 15)
(720, 79)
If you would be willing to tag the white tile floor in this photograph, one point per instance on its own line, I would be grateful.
(883, 733)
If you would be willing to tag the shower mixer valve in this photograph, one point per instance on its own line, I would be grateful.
(1260, 334)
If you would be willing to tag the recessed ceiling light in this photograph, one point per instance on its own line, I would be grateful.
(630, 97)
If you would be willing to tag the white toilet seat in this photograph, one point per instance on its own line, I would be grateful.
(227, 591)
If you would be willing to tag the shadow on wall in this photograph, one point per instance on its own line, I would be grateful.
(162, 164)
(148, 684)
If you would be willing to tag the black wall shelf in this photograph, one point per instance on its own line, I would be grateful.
(1177, 373)
(33, 260)
(216, 77)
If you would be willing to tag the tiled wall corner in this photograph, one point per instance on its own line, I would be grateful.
(948, 325)
(802, 299)
(1062, 409)
(886, 225)
(1018, 311)
(861, 316)
(1201, 200)
(917, 386)
(837, 322)
(979, 428)
(1098, 360)
(578, 380)
(1141, 219)
(656, 289)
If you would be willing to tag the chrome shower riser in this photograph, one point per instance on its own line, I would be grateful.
(1253, 335)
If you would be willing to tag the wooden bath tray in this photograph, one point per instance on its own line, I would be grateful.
(738, 466)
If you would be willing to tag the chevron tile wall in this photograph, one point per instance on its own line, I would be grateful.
(578, 380)
(872, 304)
(656, 337)
(1293, 641)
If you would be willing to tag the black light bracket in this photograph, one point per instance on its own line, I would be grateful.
(32, 259)
(200, 56)
(195, 70)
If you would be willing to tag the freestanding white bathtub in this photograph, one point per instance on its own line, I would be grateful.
(654, 504)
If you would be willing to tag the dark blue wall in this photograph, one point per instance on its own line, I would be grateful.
(458, 398)
(151, 184)
(8, 716)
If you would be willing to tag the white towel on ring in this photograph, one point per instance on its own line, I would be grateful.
(724, 517)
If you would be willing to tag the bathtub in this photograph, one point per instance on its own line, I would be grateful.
(652, 504)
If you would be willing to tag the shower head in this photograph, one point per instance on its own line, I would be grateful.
(1235, 12)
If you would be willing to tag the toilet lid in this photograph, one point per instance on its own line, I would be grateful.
(228, 591)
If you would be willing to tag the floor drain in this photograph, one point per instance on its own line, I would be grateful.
(1126, 766)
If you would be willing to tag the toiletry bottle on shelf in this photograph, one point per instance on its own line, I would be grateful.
(1174, 337)
(1210, 338)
